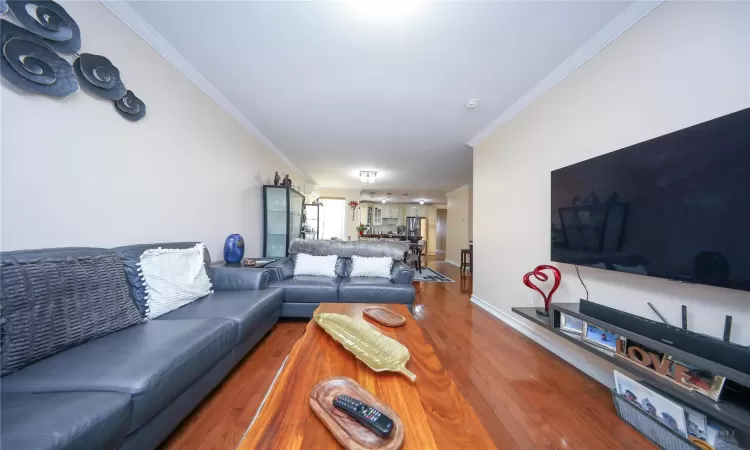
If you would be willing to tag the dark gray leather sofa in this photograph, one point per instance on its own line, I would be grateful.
(302, 294)
(131, 388)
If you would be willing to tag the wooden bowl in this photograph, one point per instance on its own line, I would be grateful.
(384, 316)
(347, 431)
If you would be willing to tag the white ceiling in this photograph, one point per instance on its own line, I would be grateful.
(338, 91)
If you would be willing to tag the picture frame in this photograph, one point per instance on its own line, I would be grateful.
(696, 379)
(571, 324)
(696, 423)
(599, 337)
(658, 406)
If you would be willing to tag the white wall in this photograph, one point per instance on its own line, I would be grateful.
(459, 223)
(74, 173)
(685, 63)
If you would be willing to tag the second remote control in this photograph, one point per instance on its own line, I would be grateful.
(368, 416)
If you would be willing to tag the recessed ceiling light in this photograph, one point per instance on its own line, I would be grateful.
(471, 103)
(421, 202)
(383, 201)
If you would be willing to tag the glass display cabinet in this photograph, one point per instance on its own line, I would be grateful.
(283, 219)
(311, 219)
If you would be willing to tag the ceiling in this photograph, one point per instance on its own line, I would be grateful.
(339, 90)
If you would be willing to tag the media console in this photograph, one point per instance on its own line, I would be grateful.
(711, 349)
(734, 407)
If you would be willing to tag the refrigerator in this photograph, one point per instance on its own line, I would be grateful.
(416, 228)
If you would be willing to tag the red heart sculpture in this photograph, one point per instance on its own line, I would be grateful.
(541, 276)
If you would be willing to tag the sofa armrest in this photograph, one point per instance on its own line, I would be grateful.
(239, 278)
(401, 273)
(281, 269)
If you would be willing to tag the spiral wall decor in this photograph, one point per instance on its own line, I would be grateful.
(30, 64)
(99, 76)
(50, 21)
(29, 60)
(130, 107)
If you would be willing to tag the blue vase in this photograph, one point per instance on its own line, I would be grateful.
(234, 248)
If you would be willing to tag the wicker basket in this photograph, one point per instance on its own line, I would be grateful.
(654, 430)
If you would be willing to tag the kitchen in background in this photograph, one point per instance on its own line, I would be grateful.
(399, 222)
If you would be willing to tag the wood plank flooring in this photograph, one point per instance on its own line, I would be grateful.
(526, 397)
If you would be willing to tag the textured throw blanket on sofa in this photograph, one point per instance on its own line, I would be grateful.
(347, 249)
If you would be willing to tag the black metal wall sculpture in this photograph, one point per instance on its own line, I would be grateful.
(50, 21)
(99, 76)
(30, 64)
(130, 107)
(29, 60)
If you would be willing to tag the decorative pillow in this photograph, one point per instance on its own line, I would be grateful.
(54, 304)
(371, 267)
(306, 264)
(173, 278)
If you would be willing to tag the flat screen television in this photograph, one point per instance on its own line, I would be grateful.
(674, 207)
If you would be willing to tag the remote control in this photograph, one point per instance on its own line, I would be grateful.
(368, 416)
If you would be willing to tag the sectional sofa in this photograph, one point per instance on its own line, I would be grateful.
(131, 388)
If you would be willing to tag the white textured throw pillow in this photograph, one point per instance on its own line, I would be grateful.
(371, 267)
(173, 278)
(315, 265)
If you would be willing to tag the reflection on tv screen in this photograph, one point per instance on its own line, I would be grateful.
(676, 207)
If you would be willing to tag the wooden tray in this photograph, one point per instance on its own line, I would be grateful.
(351, 434)
(384, 316)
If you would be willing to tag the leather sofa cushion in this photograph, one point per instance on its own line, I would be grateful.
(374, 290)
(153, 362)
(246, 308)
(309, 289)
(64, 420)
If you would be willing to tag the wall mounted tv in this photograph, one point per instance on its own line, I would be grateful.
(675, 207)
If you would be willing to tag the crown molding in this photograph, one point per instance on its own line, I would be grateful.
(620, 24)
(123, 11)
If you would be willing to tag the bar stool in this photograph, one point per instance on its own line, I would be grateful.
(467, 258)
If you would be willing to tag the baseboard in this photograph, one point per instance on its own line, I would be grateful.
(550, 342)
(452, 262)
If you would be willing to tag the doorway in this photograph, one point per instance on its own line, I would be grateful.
(333, 218)
(441, 231)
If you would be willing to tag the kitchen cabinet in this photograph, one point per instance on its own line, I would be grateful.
(416, 211)
(377, 216)
(391, 212)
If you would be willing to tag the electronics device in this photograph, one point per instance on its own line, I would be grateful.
(675, 207)
(368, 416)
(717, 350)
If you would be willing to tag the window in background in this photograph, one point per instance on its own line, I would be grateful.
(333, 218)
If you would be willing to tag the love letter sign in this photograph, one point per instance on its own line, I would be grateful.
(539, 274)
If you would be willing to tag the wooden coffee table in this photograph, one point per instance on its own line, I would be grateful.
(434, 413)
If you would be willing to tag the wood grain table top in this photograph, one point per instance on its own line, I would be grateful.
(435, 414)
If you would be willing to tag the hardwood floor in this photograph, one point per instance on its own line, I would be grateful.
(525, 396)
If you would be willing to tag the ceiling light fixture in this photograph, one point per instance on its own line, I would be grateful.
(367, 176)
(471, 103)
(382, 201)
(421, 202)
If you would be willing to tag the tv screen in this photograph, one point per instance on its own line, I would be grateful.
(675, 207)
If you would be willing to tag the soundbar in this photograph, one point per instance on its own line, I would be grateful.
(731, 355)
